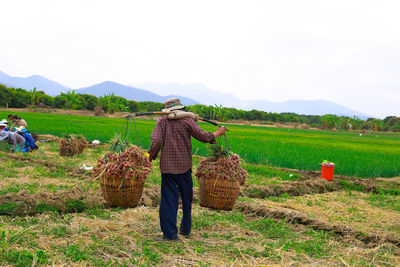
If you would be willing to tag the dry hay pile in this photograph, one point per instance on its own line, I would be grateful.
(72, 145)
(81, 145)
(67, 147)
(99, 112)
(74, 200)
(298, 217)
(47, 138)
(304, 126)
(297, 188)
(310, 186)
(151, 196)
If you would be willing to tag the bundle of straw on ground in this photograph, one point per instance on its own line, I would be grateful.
(220, 178)
(122, 176)
(72, 145)
(81, 145)
(68, 146)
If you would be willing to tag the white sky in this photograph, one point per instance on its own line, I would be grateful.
(344, 51)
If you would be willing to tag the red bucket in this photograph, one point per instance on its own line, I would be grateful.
(327, 171)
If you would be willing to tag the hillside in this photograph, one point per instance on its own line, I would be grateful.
(130, 93)
(190, 94)
(41, 83)
(208, 96)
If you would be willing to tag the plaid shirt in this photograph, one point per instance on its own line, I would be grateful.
(173, 138)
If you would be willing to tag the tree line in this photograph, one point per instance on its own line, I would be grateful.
(109, 103)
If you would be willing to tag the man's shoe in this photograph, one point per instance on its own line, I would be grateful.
(186, 236)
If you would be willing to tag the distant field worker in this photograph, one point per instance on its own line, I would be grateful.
(173, 138)
(6, 123)
(30, 141)
(17, 122)
(16, 141)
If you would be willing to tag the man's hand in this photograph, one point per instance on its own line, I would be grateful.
(221, 130)
(147, 154)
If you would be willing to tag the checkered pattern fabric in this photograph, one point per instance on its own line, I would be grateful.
(172, 137)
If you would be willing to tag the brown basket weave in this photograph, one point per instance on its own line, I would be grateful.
(126, 196)
(218, 194)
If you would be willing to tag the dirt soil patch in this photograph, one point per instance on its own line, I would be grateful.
(49, 164)
(294, 188)
(65, 201)
(293, 216)
(75, 200)
(310, 186)
(54, 166)
(47, 138)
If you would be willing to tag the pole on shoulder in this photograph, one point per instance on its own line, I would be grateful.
(166, 113)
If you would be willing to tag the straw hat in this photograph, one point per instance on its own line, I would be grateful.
(4, 121)
(173, 104)
(20, 128)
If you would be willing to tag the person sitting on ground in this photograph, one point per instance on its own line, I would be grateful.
(6, 123)
(16, 141)
(30, 141)
(18, 122)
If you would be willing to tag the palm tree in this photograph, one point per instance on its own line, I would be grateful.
(34, 97)
(112, 103)
(106, 102)
(329, 121)
(71, 99)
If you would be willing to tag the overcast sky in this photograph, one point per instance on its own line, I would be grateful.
(344, 51)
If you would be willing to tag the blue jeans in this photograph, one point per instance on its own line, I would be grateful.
(173, 185)
(29, 141)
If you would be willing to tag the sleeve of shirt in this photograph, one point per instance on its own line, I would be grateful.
(199, 134)
(156, 140)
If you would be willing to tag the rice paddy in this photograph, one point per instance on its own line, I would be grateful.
(373, 154)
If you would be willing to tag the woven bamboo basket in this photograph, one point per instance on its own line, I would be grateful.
(218, 193)
(125, 196)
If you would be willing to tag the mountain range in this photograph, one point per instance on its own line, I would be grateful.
(211, 97)
(41, 83)
(130, 93)
(189, 94)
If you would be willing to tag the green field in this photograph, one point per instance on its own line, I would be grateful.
(52, 213)
(370, 155)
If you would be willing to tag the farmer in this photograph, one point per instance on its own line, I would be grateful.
(6, 123)
(173, 138)
(30, 141)
(16, 141)
(17, 122)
